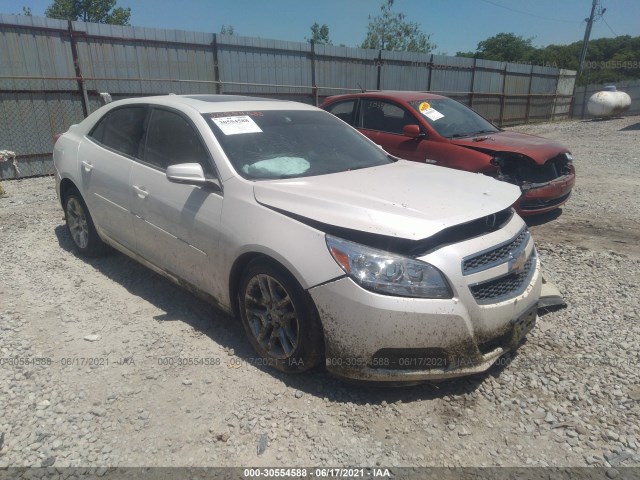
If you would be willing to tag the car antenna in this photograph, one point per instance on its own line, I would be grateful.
(362, 90)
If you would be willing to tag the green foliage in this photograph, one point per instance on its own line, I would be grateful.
(1, 191)
(391, 31)
(320, 33)
(608, 59)
(227, 30)
(503, 47)
(506, 47)
(97, 11)
(26, 11)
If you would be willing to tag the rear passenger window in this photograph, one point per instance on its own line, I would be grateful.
(171, 140)
(343, 110)
(122, 130)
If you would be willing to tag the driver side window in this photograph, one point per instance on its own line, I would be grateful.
(172, 140)
(385, 117)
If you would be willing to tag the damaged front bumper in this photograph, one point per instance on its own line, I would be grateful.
(382, 338)
(387, 339)
(545, 197)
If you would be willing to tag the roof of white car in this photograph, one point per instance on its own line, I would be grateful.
(221, 103)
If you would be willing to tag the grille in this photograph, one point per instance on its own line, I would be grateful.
(496, 256)
(504, 287)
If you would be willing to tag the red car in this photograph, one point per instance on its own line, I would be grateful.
(434, 129)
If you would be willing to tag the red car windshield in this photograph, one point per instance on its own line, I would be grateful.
(451, 119)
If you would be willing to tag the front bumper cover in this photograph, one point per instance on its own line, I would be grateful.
(438, 338)
(547, 197)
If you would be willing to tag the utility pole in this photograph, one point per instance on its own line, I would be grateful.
(587, 34)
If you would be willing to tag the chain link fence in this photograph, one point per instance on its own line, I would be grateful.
(30, 119)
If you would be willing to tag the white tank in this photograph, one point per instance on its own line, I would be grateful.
(608, 102)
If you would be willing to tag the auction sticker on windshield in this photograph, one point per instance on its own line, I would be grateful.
(430, 112)
(236, 125)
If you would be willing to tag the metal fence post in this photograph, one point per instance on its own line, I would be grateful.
(528, 109)
(555, 98)
(378, 83)
(584, 96)
(216, 68)
(430, 65)
(314, 86)
(473, 81)
(502, 97)
(84, 98)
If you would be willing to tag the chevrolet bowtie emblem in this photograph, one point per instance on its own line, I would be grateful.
(517, 263)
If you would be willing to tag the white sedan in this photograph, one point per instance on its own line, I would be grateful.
(327, 248)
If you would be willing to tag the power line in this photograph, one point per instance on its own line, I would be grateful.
(528, 13)
(601, 15)
(605, 22)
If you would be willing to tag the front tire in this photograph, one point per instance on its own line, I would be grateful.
(81, 228)
(279, 318)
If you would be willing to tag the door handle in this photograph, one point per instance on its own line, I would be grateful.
(87, 166)
(140, 191)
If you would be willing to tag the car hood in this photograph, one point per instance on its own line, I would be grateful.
(537, 148)
(403, 199)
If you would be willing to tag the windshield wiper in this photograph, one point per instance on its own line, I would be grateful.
(483, 131)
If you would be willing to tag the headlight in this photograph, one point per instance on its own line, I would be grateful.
(388, 273)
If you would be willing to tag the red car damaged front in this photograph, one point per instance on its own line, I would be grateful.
(542, 168)
(429, 128)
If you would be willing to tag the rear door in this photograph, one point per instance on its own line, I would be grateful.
(344, 110)
(106, 156)
(176, 225)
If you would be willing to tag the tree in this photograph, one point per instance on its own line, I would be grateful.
(608, 59)
(97, 11)
(320, 33)
(391, 31)
(503, 47)
(26, 11)
(227, 30)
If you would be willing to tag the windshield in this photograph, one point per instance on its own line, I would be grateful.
(451, 119)
(273, 144)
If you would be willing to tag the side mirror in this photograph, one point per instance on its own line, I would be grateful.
(412, 131)
(190, 174)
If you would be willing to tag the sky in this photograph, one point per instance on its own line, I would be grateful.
(454, 25)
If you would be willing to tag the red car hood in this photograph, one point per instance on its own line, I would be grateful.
(537, 148)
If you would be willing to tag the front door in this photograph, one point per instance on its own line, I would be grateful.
(177, 226)
(383, 122)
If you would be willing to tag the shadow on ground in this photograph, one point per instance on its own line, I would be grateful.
(542, 218)
(635, 126)
(181, 305)
(601, 119)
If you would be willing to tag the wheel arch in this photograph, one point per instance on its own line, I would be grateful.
(67, 186)
(235, 278)
(239, 266)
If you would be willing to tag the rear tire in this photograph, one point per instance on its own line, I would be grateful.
(81, 229)
(279, 318)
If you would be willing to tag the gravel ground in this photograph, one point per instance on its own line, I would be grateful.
(91, 372)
